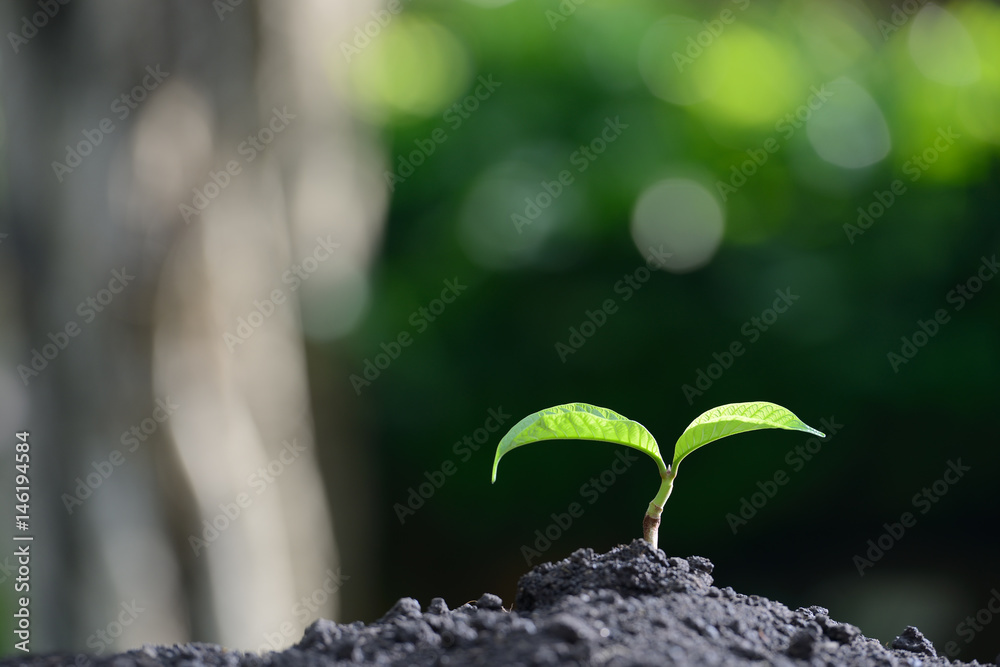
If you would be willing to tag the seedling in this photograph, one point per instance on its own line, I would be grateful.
(581, 421)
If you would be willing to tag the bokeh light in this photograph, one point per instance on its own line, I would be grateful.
(412, 67)
(509, 214)
(978, 103)
(849, 129)
(942, 48)
(753, 75)
(667, 69)
(684, 218)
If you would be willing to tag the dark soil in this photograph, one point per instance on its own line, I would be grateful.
(630, 606)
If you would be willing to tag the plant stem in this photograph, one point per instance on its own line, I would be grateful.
(651, 522)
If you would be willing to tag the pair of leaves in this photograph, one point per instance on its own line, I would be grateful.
(582, 421)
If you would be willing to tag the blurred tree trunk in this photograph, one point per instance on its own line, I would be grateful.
(211, 430)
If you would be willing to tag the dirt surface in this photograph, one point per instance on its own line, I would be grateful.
(630, 606)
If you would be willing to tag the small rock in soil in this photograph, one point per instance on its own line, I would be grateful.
(912, 640)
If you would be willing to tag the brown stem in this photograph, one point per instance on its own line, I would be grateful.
(651, 529)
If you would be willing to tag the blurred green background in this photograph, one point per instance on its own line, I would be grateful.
(709, 92)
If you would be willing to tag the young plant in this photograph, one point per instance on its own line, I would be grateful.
(581, 421)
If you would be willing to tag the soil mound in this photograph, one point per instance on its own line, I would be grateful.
(631, 606)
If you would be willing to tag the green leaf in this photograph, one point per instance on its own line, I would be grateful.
(735, 418)
(579, 421)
